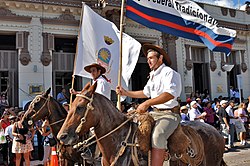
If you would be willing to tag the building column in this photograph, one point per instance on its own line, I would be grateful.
(169, 44)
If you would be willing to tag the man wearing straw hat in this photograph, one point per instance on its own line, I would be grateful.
(163, 88)
(97, 73)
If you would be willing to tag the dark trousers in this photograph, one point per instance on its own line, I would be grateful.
(11, 156)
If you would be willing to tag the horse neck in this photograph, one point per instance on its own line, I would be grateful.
(58, 113)
(109, 119)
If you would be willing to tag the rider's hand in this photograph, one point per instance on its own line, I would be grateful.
(120, 91)
(72, 91)
(142, 108)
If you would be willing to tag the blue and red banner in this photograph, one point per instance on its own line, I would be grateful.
(182, 18)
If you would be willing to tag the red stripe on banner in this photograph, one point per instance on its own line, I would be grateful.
(178, 27)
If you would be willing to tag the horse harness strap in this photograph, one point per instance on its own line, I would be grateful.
(89, 107)
(124, 144)
(51, 124)
(30, 122)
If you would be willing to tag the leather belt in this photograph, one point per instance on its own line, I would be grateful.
(175, 109)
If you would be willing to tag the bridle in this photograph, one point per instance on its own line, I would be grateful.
(89, 107)
(46, 103)
(86, 143)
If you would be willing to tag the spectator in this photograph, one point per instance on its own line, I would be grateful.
(4, 101)
(224, 120)
(199, 105)
(21, 142)
(237, 96)
(209, 118)
(4, 123)
(46, 132)
(192, 96)
(194, 113)
(62, 97)
(243, 117)
(248, 106)
(10, 137)
(184, 114)
(230, 113)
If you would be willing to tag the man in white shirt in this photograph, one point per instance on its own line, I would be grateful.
(230, 113)
(195, 114)
(97, 73)
(163, 88)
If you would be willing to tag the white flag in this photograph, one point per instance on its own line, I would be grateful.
(99, 43)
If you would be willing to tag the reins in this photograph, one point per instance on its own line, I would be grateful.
(46, 103)
(85, 142)
(124, 143)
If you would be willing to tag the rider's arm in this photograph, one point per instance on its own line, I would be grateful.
(135, 94)
(162, 98)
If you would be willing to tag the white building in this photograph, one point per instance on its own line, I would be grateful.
(38, 41)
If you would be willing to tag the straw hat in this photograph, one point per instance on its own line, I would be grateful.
(193, 103)
(161, 51)
(184, 108)
(87, 68)
(223, 102)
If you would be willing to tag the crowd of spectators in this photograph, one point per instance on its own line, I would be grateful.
(227, 114)
(20, 144)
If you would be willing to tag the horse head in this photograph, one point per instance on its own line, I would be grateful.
(81, 111)
(37, 109)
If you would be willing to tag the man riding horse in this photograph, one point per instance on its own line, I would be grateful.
(163, 88)
(97, 73)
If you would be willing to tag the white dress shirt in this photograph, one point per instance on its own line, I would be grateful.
(164, 79)
(194, 114)
(229, 111)
(103, 87)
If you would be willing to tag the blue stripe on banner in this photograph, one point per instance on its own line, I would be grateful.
(180, 21)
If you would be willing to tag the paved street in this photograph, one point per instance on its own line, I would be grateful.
(239, 156)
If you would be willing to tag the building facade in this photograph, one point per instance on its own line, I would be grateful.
(38, 40)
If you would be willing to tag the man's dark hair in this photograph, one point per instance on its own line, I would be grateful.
(152, 50)
(158, 55)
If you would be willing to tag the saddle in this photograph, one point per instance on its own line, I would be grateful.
(184, 144)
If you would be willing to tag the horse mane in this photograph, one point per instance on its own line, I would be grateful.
(58, 105)
(109, 106)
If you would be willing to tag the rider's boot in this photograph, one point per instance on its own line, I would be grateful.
(158, 156)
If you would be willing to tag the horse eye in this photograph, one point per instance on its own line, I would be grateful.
(80, 105)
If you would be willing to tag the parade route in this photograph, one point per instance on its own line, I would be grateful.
(238, 155)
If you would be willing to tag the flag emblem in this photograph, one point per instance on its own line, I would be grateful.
(108, 40)
(103, 58)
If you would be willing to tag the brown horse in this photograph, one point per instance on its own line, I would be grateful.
(44, 106)
(94, 110)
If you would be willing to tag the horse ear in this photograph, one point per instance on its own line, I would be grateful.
(92, 88)
(86, 87)
(47, 92)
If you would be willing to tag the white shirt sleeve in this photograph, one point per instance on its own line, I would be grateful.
(170, 83)
(146, 89)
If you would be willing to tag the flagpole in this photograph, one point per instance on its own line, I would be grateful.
(120, 59)
(73, 76)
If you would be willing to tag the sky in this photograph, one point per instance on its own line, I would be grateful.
(227, 3)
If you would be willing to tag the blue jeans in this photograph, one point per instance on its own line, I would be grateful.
(231, 135)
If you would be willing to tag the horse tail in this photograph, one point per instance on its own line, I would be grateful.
(223, 163)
